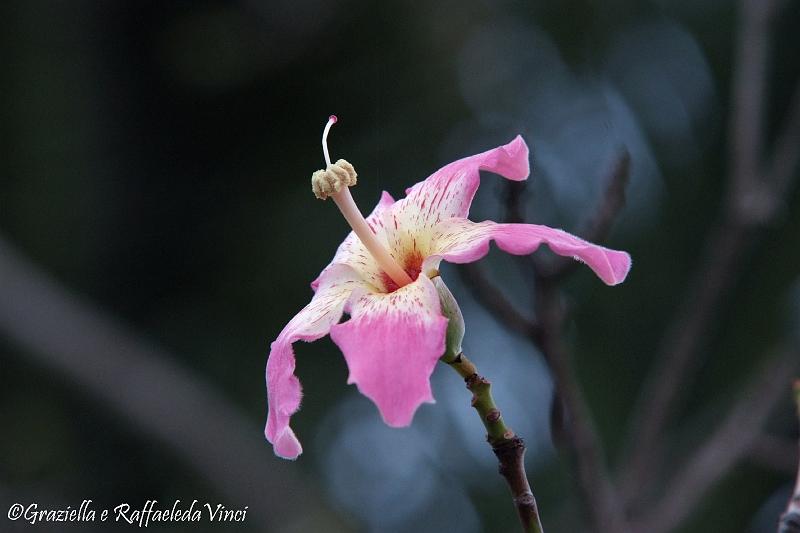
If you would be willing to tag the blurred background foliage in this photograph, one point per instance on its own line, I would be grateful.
(156, 161)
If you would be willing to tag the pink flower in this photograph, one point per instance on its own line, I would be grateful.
(396, 330)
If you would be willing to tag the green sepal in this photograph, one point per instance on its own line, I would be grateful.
(455, 320)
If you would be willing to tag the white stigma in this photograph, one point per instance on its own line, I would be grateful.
(335, 181)
(331, 121)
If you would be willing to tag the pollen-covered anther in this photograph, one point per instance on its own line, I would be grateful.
(333, 179)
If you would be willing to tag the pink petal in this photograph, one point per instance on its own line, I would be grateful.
(463, 241)
(448, 192)
(336, 285)
(352, 251)
(391, 344)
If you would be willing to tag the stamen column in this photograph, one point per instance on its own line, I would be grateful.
(335, 182)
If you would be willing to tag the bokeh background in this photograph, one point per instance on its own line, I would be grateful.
(154, 193)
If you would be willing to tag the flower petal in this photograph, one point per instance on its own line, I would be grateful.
(353, 252)
(448, 192)
(335, 286)
(391, 344)
(463, 241)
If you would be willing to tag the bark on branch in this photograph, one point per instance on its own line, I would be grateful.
(508, 447)
(790, 520)
(729, 444)
(757, 185)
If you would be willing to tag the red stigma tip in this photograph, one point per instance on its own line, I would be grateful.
(332, 119)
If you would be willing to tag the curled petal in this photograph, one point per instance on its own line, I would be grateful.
(336, 285)
(463, 241)
(448, 192)
(391, 344)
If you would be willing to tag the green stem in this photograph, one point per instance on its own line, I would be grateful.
(508, 447)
